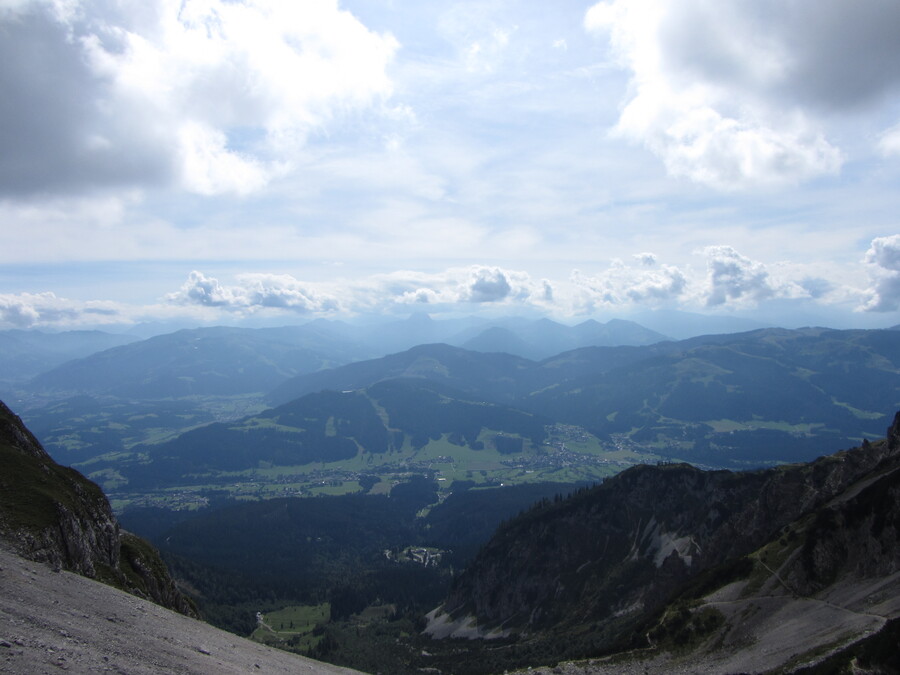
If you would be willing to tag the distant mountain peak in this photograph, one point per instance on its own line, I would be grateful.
(420, 318)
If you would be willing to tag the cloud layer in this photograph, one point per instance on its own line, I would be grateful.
(339, 157)
(725, 281)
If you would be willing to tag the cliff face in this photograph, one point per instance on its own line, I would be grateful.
(53, 514)
(610, 556)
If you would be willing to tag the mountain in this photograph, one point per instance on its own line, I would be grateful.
(762, 396)
(711, 571)
(682, 325)
(391, 417)
(543, 338)
(738, 400)
(25, 354)
(53, 514)
(494, 376)
(201, 361)
(501, 340)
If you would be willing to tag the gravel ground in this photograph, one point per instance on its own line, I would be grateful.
(57, 621)
(767, 633)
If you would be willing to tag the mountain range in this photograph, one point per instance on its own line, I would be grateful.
(734, 401)
(227, 361)
(720, 400)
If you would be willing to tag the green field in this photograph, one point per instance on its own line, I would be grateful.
(293, 627)
(570, 455)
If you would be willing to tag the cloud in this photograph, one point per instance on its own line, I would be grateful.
(211, 95)
(731, 281)
(253, 292)
(33, 310)
(622, 284)
(816, 287)
(732, 276)
(883, 260)
(737, 95)
(487, 285)
(477, 33)
(889, 142)
(472, 286)
(477, 286)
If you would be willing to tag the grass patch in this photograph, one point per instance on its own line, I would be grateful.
(298, 627)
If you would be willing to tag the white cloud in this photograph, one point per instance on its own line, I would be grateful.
(738, 94)
(732, 281)
(623, 285)
(212, 95)
(487, 285)
(889, 142)
(252, 293)
(36, 310)
(734, 277)
(883, 260)
(457, 287)
(209, 168)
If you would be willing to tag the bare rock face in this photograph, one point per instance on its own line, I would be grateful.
(611, 555)
(53, 514)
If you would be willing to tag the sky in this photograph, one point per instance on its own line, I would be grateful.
(252, 162)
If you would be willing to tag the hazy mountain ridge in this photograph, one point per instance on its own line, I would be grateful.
(202, 361)
(226, 360)
(607, 568)
(493, 376)
(25, 354)
(541, 339)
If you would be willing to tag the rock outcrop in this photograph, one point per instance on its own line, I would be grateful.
(53, 514)
(609, 566)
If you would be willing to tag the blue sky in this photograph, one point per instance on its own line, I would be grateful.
(204, 161)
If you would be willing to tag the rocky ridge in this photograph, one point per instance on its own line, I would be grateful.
(740, 572)
(52, 514)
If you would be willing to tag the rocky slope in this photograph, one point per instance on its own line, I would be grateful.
(737, 572)
(59, 621)
(53, 514)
